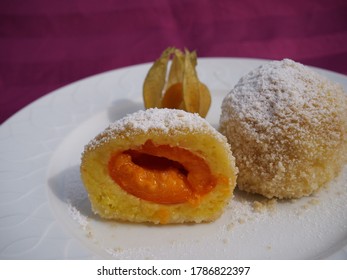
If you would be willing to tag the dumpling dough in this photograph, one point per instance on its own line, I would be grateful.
(159, 166)
(287, 127)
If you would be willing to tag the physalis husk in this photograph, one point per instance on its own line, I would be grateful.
(180, 88)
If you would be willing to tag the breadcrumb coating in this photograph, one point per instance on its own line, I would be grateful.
(287, 126)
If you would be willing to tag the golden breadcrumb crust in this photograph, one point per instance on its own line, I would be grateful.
(287, 127)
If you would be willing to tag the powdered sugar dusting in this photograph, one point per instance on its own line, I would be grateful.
(277, 91)
(165, 121)
(77, 216)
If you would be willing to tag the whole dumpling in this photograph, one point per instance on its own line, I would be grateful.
(287, 126)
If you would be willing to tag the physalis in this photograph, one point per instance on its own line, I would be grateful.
(181, 88)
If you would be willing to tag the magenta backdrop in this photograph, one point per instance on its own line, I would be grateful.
(45, 44)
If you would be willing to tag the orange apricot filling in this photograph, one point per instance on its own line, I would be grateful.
(162, 174)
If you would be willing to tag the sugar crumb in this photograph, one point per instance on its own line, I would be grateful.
(77, 216)
(260, 206)
(313, 201)
(230, 226)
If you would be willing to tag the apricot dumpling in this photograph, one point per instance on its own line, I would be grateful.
(160, 166)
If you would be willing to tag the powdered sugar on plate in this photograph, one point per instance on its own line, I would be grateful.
(242, 222)
(77, 216)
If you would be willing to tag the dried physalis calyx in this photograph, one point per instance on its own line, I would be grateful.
(181, 88)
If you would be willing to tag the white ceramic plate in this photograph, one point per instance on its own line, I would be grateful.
(45, 213)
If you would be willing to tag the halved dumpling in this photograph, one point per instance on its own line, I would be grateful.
(160, 166)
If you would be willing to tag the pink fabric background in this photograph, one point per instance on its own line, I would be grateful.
(47, 44)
